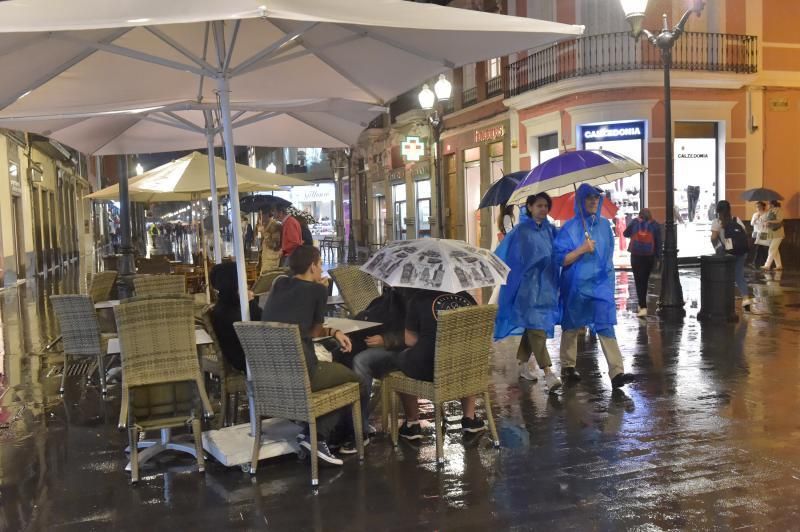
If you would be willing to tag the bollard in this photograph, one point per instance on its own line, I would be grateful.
(717, 274)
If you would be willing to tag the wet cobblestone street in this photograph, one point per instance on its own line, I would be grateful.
(707, 438)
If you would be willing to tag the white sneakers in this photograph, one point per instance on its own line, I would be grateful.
(528, 371)
(552, 381)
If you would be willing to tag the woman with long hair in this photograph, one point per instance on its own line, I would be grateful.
(528, 302)
(723, 236)
(505, 220)
(774, 221)
(760, 234)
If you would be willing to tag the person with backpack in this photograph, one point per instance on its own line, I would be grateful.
(645, 248)
(729, 236)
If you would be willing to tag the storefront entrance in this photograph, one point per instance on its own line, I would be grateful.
(472, 194)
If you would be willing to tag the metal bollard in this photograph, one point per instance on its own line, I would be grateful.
(717, 276)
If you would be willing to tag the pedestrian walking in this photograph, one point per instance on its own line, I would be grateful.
(505, 221)
(528, 302)
(584, 249)
(270, 241)
(291, 234)
(774, 221)
(760, 234)
(728, 235)
(645, 249)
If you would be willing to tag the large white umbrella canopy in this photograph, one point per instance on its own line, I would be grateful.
(94, 56)
(186, 179)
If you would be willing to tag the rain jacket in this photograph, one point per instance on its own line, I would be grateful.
(587, 285)
(529, 299)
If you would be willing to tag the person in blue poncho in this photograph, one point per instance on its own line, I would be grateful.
(528, 302)
(584, 249)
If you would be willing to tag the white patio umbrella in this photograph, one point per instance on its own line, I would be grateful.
(186, 179)
(94, 56)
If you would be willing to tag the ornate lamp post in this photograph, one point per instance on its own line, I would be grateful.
(432, 100)
(670, 304)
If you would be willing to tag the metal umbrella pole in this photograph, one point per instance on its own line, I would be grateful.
(212, 176)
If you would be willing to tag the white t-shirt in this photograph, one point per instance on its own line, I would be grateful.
(508, 223)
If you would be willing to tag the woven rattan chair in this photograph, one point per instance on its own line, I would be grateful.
(147, 285)
(461, 368)
(102, 285)
(80, 333)
(281, 387)
(358, 288)
(213, 362)
(264, 282)
(161, 378)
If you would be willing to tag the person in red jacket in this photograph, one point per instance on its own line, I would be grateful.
(291, 234)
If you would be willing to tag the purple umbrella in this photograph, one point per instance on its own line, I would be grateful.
(559, 175)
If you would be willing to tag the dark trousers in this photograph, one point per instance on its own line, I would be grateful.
(328, 375)
(642, 266)
(761, 255)
(692, 194)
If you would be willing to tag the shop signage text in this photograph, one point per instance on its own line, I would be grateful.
(489, 134)
(619, 131)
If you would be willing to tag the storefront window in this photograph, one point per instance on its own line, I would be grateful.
(380, 219)
(695, 148)
(548, 147)
(423, 208)
(472, 194)
(400, 210)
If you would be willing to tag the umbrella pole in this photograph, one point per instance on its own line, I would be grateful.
(205, 262)
(580, 209)
(212, 175)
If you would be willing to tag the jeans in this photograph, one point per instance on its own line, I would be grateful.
(372, 363)
(642, 266)
(739, 276)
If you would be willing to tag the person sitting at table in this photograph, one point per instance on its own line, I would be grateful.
(301, 300)
(417, 361)
(226, 312)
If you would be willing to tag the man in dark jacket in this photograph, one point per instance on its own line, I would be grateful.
(227, 311)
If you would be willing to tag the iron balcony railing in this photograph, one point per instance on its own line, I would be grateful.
(494, 86)
(469, 97)
(615, 52)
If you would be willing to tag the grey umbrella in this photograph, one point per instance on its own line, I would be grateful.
(760, 194)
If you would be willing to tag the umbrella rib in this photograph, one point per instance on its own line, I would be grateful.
(335, 67)
(61, 68)
(109, 141)
(205, 58)
(201, 62)
(405, 48)
(169, 123)
(182, 120)
(290, 39)
(232, 45)
(135, 54)
(320, 128)
(255, 118)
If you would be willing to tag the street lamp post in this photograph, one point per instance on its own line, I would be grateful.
(670, 304)
(431, 101)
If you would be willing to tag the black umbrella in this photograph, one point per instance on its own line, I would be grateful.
(761, 194)
(262, 202)
(501, 190)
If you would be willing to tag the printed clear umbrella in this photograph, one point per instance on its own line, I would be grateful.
(437, 264)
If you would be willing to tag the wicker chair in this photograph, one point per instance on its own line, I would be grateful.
(80, 333)
(159, 285)
(264, 283)
(213, 362)
(102, 285)
(461, 368)
(358, 288)
(161, 378)
(281, 387)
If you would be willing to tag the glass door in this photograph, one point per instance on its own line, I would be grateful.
(400, 211)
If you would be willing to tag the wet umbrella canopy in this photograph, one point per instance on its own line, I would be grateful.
(262, 202)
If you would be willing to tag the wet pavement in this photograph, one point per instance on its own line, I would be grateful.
(707, 438)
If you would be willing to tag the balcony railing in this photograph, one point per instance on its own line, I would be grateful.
(494, 86)
(615, 52)
(470, 96)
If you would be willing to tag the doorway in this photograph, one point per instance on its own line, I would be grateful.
(380, 215)
(400, 210)
(472, 198)
(19, 239)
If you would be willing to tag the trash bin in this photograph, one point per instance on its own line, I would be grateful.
(717, 279)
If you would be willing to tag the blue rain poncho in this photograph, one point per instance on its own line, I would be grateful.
(529, 299)
(587, 285)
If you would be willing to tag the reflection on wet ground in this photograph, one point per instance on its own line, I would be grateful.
(706, 438)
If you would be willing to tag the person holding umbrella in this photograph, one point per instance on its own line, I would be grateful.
(528, 302)
(760, 233)
(270, 230)
(584, 248)
(774, 221)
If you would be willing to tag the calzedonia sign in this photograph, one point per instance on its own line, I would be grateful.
(618, 131)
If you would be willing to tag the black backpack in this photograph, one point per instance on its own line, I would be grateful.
(738, 237)
(308, 239)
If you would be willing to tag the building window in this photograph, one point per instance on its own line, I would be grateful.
(423, 208)
(548, 147)
(400, 210)
(493, 67)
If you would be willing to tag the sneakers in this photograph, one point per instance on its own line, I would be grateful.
(469, 424)
(552, 381)
(570, 375)
(746, 304)
(410, 432)
(323, 451)
(526, 371)
(621, 379)
(349, 447)
(642, 313)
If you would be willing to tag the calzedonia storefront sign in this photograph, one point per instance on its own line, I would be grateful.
(618, 131)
